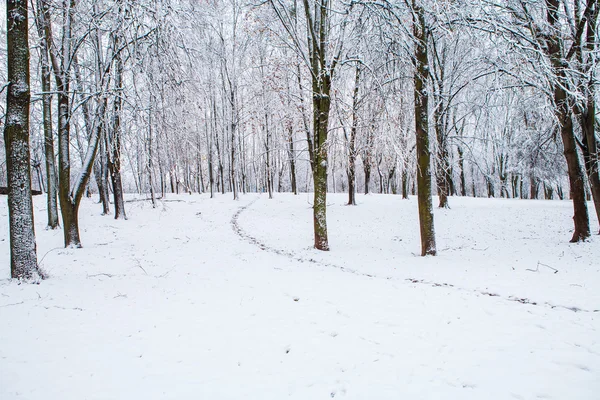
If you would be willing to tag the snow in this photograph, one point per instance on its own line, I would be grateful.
(175, 304)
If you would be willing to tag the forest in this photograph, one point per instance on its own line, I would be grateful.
(259, 119)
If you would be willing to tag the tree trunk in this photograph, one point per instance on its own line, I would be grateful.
(51, 177)
(587, 117)
(563, 115)
(292, 158)
(268, 166)
(352, 143)
(490, 187)
(233, 129)
(442, 163)
(461, 166)
(150, 165)
(515, 186)
(100, 170)
(590, 154)
(367, 173)
(23, 253)
(114, 136)
(575, 171)
(405, 181)
(533, 187)
(321, 105)
(366, 158)
(428, 246)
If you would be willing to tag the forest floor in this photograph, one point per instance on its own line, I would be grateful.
(222, 299)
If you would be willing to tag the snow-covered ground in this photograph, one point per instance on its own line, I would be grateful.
(218, 299)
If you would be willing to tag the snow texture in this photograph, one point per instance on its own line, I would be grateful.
(222, 299)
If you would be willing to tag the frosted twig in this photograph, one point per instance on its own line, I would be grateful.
(537, 269)
(13, 304)
(101, 274)
(139, 265)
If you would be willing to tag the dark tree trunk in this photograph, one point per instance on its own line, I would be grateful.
(100, 170)
(67, 208)
(23, 253)
(563, 116)
(559, 192)
(114, 155)
(515, 186)
(367, 173)
(534, 186)
(232, 170)
(209, 159)
(219, 156)
(548, 191)
(461, 166)
(51, 177)
(321, 104)
(442, 162)
(575, 171)
(590, 155)
(405, 181)
(490, 187)
(587, 116)
(292, 158)
(352, 142)
(428, 246)
(150, 165)
(268, 167)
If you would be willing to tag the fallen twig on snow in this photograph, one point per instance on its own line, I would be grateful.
(537, 269)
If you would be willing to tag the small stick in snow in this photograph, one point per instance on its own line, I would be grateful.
(139, 264)
(537, 269)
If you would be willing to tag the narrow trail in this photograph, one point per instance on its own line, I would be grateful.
(244, 235)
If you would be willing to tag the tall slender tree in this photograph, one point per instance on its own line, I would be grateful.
(420, 33)
(46, 78)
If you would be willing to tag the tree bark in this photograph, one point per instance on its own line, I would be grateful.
(51, 177)
(587, 116)
(321, 104)
(114, 155)
(292, 158)
(442, 163)
(563, 116)
(428, 246)
(461, 166)
(352, 141)
(23, 252)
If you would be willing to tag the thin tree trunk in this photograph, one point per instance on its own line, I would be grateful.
(114, 155)
(428, 246)
(405, 180)
(442, 163)
(51, 177)
(587, 117)
(292, 158)
(352, 142)
(268, 174)
(461, 166)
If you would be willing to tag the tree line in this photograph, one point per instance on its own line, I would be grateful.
(411, 97)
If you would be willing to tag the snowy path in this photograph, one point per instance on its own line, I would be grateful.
(293, 256)
(173, 304)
